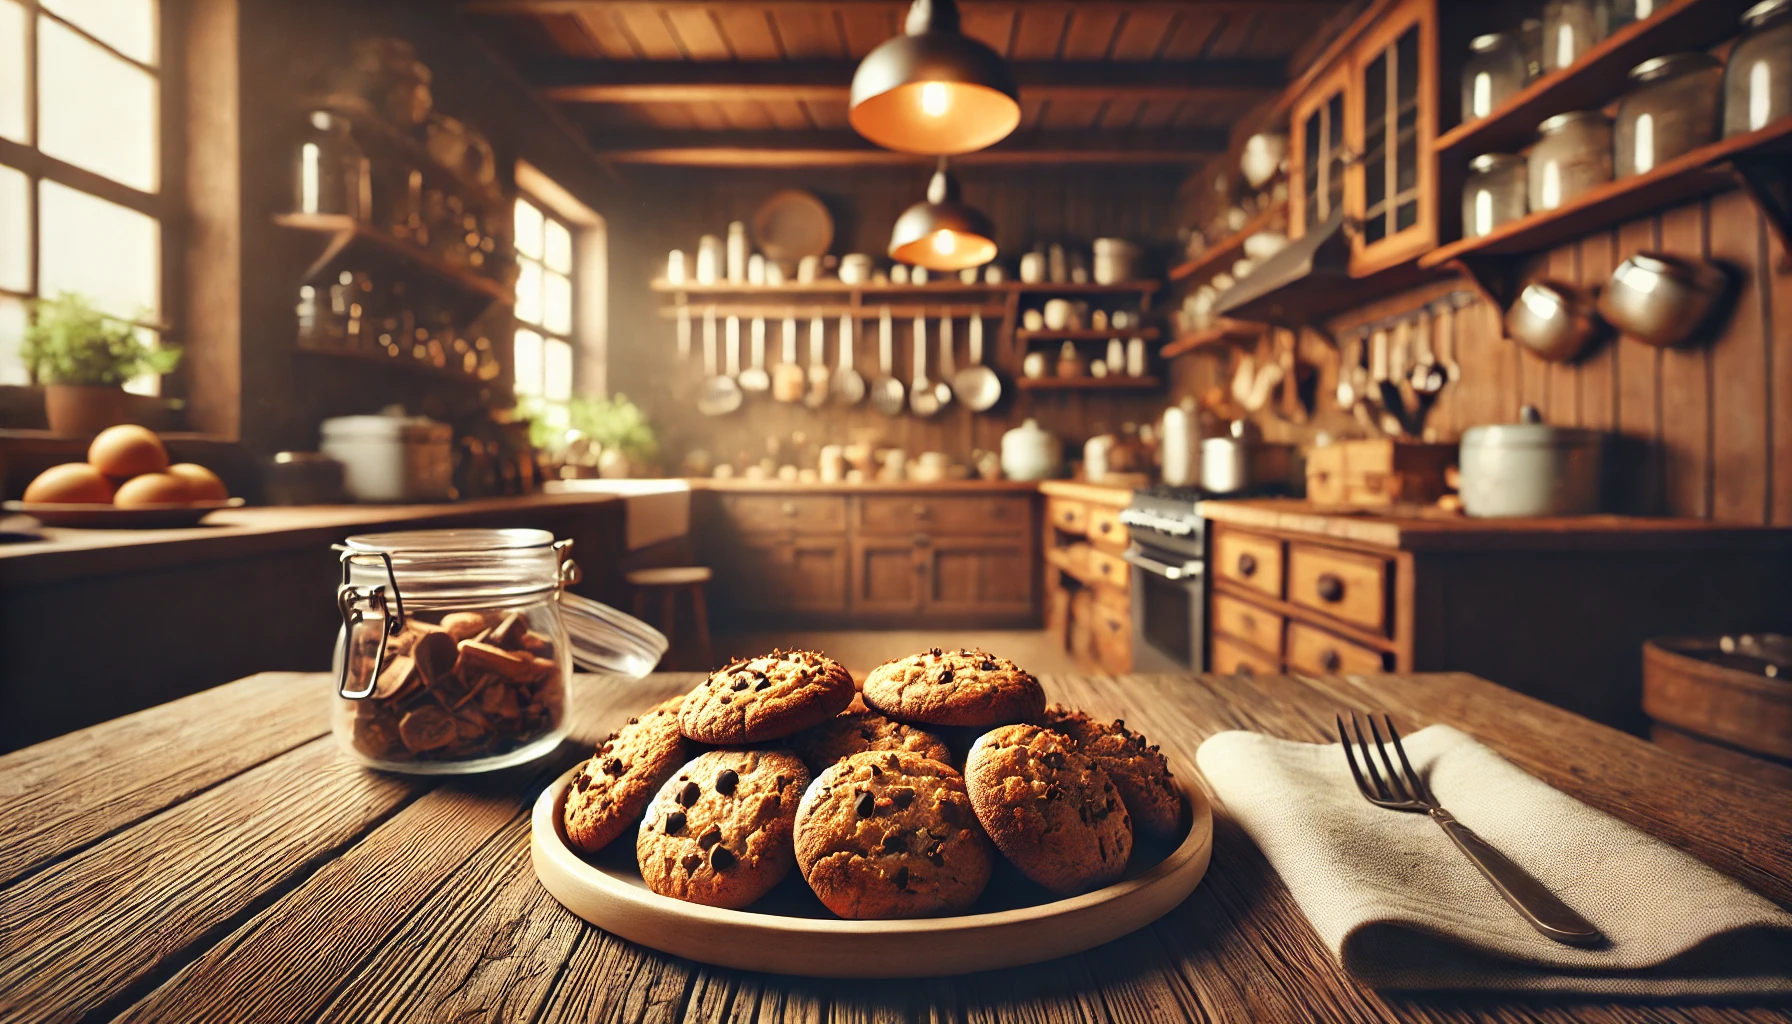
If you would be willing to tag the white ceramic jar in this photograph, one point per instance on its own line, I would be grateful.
(1031, 453)
(1530, 469)
(392, 458)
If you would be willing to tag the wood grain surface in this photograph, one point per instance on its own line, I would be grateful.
(198, 862)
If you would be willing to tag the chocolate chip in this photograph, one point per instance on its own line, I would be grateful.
(865, 805)
(875, 770)
(900, 878)
(1054, 791)
(935, 651)
(691, 862)
(946, 675)
(727, 699)
(721, 858)
(1101, 844)
(902, 796)
(613, 767)
(710, 837)
(740, 684)
(987, 666)
(689, 794)
(1119, 723)
(726, 781)
(894, 843)
(674, 822)
(774, 803)
(783, 780)
(949, 810)
(934, 855)
(1053, 759)
(631, 721)
(763, 684)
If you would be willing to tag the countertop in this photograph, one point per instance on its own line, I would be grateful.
(218, 859)
(1427, 528)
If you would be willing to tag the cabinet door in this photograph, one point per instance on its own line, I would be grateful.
(888, 575)
(1393, 120)
(980, 576)
(1318, 152)
(781, 575)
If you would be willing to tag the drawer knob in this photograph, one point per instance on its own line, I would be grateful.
(1250, 623)
(1247, 564)
(788, 508)
(1107, 527)
(922, 540)
(1331, 588)
(1242, 669)
(1329, 660)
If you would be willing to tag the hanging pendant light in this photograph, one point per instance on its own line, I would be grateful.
(934, 89)
(943, 233)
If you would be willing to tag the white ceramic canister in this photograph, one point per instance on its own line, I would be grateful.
(737, 252)
(1031, 453)
(1530, 468)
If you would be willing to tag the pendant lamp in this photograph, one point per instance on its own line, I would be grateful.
(943, 233)
(934, 89)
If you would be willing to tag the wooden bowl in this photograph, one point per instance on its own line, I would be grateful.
(789, 932)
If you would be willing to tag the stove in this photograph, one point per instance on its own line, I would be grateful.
(1168, 555)
(1162, 520)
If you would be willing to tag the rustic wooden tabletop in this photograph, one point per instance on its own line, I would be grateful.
(217, 859)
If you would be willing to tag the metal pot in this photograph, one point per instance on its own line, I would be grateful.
(1662, 300)
(1530, 469)
(1555, 321)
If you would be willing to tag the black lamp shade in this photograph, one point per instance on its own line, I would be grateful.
(933, 89)
(942, 233)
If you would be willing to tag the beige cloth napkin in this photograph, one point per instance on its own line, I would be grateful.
(1400, 907)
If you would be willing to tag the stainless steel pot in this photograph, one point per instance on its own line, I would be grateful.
(1555, 321)
(1530, 469)
(1662, 300)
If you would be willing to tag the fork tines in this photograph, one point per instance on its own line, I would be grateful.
(1403, 788)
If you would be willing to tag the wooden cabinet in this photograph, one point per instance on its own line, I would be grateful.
(1088, 583)
(972, 576)
(943, 515)
(1236, 659)
(887, 576)
(1339, 584)
(1244, 621)
(1318, 153)
(804, 574)
(1314, 650)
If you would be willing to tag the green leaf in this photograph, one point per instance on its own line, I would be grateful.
(70, 341)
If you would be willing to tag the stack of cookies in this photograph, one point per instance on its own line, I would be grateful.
(893, 802)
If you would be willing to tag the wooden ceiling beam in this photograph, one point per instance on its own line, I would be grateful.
(845, 149)
(828, 81)
(1198, 6)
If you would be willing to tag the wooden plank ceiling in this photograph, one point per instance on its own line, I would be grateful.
(764, 82)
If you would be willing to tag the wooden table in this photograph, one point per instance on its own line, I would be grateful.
(217, 859)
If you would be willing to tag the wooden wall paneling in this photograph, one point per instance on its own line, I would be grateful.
(1233, 36)
(1741, 411)
(1597, 370)
(1639, 380)
(1778, 316)
(1561, 380)
(649, 32)
(865, 30)
(1686, 387)
(1487, 390)
(808, 33)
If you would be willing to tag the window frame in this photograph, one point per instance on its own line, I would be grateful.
(571, 337)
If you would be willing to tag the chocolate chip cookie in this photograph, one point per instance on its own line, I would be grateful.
(858, 729)
(1050, 811)
(1137, 769)
(889, 833)
(611, 791)
(719, 831)
(752, 700)
(962, 687)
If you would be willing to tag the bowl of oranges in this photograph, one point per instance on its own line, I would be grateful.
(127, 482)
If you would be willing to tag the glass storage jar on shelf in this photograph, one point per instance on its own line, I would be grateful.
(1573, 153)
(1494, 193)
(457, 646)
(1570, 28)
(331, 174)
(1495, 72)
(1671, 109)
(1620, 13)
(1758, 75)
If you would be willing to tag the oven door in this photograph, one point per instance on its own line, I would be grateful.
(1167, 614)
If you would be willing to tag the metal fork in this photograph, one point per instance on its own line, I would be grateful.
(1404, 790)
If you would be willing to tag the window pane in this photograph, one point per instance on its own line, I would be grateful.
(528, 229)
(559, 417)
(559, 247)
(12, 71)
(94, 110)
(557, 303)
(102, 250)
(557, 371)
(128, 26)
(12, 334)
(528, 292)
(528, 362)
(15, 230)
(150, 384)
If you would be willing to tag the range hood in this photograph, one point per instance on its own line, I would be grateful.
(1303, 284)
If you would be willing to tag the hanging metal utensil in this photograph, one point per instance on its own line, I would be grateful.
(684, 332)
(942, 388)
(849, 385)
(720, 393)
(977, 385)
(1428, 379)
(888, 396)
(754, 377)
(819, 377)
(788, 380)
(922, 401)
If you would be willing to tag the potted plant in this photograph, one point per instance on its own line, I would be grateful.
(613, 435)
(83, 358)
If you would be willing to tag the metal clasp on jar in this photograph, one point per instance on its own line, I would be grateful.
(570, 573)
(349, 601)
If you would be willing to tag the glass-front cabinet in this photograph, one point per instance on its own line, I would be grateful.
(1320, 156)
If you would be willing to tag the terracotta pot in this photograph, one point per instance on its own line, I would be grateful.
(83, 410)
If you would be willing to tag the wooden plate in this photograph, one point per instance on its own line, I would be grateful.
(111, 517)
(790, 932)
(791, 224)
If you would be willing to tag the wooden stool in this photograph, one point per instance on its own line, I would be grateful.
(668, 582)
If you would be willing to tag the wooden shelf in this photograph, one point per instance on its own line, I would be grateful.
(346, 233)
(1596, 79)
(403, 363)
(1222, 254)
(1109, 383)
(1122, 333)
(1223, 332)
(834, 286)
(831, 311)
(371, 128)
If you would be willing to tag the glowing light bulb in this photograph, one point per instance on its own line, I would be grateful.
(935, 99)
(945, 243)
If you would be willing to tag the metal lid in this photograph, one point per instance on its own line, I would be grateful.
(1529, 432)
(1491, 161)
(386, 428)
(1561, 121)
(1482, 44)
(1667, 66)
(1764, 12)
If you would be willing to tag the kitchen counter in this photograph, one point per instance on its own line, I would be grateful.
(269, 844)
(737, 485)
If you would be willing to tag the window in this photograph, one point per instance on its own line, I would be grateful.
(543, 354)
(81, 205)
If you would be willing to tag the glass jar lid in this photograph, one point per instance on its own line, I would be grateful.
(1667, 66)
(1490, 41)
(1765, 11)
(1494, 161)
(1555, 124)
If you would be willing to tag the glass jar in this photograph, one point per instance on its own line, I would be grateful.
(1671, 109)
(1573, 153)
(457, 645)
(1758, 76)
(1570, 28)
(1495, 71)
(1623, 12)
(331, 173)
(1494, 193)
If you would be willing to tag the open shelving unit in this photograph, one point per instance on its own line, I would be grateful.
(1109, 383)
(836, 286)
(1123, 333)
(347, 236)
(1222, 254)
(1222, 333)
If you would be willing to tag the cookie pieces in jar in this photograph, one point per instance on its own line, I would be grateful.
(455, 691)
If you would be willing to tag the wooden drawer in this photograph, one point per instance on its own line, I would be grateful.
(1245, 621)
(1344, 585)
(1106, 568)
(1069, 516)
(1231, 658)
(934, 514)
(1315, 650)
(766, 513)
(1249, 559)
(1105, 527)
(1113, 636)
